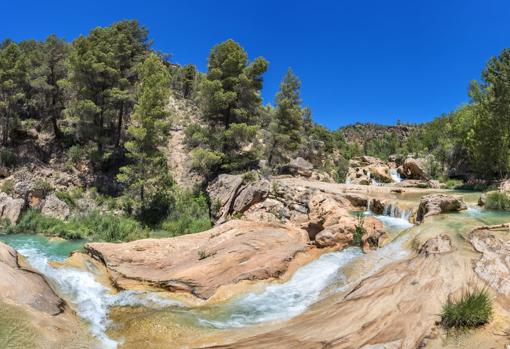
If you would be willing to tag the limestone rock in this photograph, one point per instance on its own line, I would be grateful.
(298, 166)
(251, 194)
(201, 263)
(222, 192)
(434, 204)
(415, 169)
(10, 208)
(437, 245)
(54, 207)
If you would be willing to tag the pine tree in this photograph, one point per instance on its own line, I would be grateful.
(287, 124)
(146, 175)
(231, 103)
(13, 77)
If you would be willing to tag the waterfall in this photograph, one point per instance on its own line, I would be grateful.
(395, 176)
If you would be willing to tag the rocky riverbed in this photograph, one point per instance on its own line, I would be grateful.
(287, 277)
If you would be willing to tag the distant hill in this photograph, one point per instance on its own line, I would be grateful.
(360, 132)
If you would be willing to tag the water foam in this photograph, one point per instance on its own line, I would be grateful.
(90, 299)
(283, 301)
(395, 176)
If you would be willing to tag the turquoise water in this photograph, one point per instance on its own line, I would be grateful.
(53, 249)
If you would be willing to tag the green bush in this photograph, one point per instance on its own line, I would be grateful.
(453, 183)
(204, 161)
(188, 214)
(473, 309)
(359, 231)
(498, 201)
(70, 196)
(7, 186)
(94, 226)
(43, 186)
(7, 158)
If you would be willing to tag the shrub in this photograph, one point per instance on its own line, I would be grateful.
(93, 226)
(473, 309)
(7, 186)
(453, 183)
(70, 196)
(43, 186)
(75, 154)
(188, 214)
(250, 176)
(359, 231)
(7, 158)
(204, 161)
(498, 201)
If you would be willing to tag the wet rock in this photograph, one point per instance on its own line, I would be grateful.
(54, 207)
(438, 203)
(10, 208)
(201, 263)
(381, 174)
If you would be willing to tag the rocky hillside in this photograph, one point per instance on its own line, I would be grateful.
(359, 132)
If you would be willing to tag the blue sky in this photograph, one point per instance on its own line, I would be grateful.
(359, 60)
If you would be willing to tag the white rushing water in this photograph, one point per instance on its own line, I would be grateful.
(395, 176)
(283, 301)
(90, 299)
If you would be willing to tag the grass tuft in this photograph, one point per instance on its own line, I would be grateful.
(473, 309)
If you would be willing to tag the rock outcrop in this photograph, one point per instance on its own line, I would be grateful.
(415, 169)
(438, 203)
(202, 263)
(494, 265)
(10, 208)
(363, 170)
(32, 314)
(54, 207)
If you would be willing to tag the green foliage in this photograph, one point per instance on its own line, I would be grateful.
(497, 200)
(94, 226)
(70, 197)
(7, 186)
(205, 161)
(286, 127)
(230, 101)
(102, 77)
(473, 309)
(146, 176)
(188, 214)
(452, 183)
(42, 186)
(7, 158)
(359, 231)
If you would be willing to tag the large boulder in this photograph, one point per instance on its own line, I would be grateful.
(251, 194)
(298, 166)
(363, 170)
(415, 169)
(222, 193)
(54, 207)
(10, 208)
(203, 262)
(435, 204)
(342, 233)
(32, 314)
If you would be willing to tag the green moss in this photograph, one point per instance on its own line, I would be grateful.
(472, 310)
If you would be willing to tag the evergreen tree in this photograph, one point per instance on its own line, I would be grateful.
(102, 76)
(13, 77)
(287, 125)
(146, 175)
(231, 103)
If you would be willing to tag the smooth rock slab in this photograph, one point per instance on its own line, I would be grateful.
(201, 263)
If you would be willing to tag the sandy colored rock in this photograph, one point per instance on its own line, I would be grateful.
(434, 204)
(54, 207)
(415, 169)
(222, 193)
(397, 310)
(251, 194)
(440, 244)
(32, 314)
(201, 263)
(493, 266)
(299, 167)
(10, 208)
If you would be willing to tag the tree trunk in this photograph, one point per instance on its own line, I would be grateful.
(119, 125)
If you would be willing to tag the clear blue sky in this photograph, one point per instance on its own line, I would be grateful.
(359, 60)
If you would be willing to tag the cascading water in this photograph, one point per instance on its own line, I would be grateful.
(393, 216)
(395, 176)
(91, 300)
